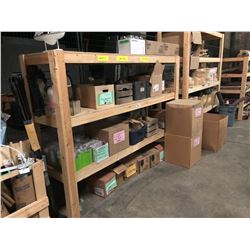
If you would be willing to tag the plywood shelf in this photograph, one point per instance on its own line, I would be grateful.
(201, 87)
(95, 167)
(209, 59)
(208, 108)
(231, 75)
(89, 115)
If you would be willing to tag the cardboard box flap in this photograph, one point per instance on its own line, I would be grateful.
(120, 169)
(196, 38)
(184, 102)
(156, 76)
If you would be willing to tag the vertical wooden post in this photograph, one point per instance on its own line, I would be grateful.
(186, 64)
(243, 87)
(177, 77)
(64, 130)
(221, 49)
(159, 36)
(27, 90)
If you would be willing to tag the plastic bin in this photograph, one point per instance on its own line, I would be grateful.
(230, 111)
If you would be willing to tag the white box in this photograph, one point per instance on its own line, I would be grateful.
(131, 46)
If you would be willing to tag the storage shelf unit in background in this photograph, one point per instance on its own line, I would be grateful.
(186, 90)
(244, 86)
(57, 60)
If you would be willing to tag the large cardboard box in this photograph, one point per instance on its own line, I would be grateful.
(183, 151)
(161, 48)
(184, 117)
(97, 96)
(214, 131)
(156, 80)
(116, 135)
(105, 185)
(131, 46)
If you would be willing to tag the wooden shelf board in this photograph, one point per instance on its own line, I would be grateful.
(246, 104)
(248, 74)
(231, 75)
(211, 35)
(209, 59)
(88, 57)
(95, 167)
(233, 59)
(230, 90)
(90, 115)
(198, 88)
(208, 108)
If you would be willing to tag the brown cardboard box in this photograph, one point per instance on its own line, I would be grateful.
(184, 117)
(105, 185)
(143, 163)
(120, 171)
(156, 80)
(117, 137)
(161, 48)
(214, 131)
(23, 190)
(183, 151)
(97, 96)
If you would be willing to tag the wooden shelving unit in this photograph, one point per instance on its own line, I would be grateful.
(185, 60)
(244, 87)
(63, 122)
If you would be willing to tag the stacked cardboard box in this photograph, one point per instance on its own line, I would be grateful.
(184, 123)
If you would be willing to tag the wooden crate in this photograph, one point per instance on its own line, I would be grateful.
(123, 93)
(38, 208)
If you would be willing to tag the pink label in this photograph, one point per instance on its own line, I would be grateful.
(197, 141)
(119, 136)
(197, 112)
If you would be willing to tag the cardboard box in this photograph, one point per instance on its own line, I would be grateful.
(105, 185)
(156, 79)
(183, 151)
(23, 190)
(143, 163)
(97, 96)
(116, 135)
(131, 46)
(120, 171)
(160, 148)
(214, 131)
(161, 48)
(184, 117)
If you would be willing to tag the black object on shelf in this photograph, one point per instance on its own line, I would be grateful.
(136, 136)
(141, 90)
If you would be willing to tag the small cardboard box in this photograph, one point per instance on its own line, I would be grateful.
(143, 163)
(105, 185)
(117, 137)
(131, 46)
(156, 79)
(160, 148)
(184, 117)
(214, 131)
(120, 171)
(183, 151)
(101, 153)
(97, 96)
(161, 48)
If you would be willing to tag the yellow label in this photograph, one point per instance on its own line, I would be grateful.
(102, 58)
(144, 59)
(122, 58)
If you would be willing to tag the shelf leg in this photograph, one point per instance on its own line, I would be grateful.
(64, 131)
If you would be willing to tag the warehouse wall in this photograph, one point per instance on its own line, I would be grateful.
(239, 40)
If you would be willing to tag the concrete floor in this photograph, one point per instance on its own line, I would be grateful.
(217, 186)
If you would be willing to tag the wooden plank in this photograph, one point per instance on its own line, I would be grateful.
(231, 75)
(201, 87)
(177, 78)
(90, 115)
(30, 209)
(233, 59)
(9, 175)
(212, 35)
(37, 58)
(54, 173)
(208, 108)
(64, 130)
(221, 49)
(186, 64)
(92, 57)
(243, 87)
(48, 120)
(209, 59)
(246, 104)
(95, 167)
(39, 185)
(159, 36)
(230, 91)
